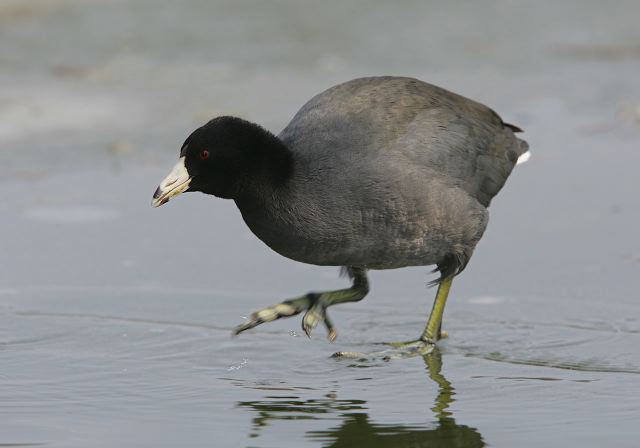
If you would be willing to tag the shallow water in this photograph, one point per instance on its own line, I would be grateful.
(115, 318)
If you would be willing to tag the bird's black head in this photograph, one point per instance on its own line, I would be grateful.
(227, 157)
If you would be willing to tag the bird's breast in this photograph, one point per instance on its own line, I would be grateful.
(330, 233)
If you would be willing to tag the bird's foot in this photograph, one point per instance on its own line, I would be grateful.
(398, 350)
(423, 340)
(412, 348)
(405, 349)
(314, 303)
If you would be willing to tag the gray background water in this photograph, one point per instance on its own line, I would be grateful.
(115, 318)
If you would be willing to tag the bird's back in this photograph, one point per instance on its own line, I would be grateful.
(407, 121)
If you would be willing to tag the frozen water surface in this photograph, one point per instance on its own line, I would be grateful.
(115, 318)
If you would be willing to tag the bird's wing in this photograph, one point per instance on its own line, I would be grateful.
(467, 144)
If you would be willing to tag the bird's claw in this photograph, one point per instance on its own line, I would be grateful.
(316, 313)
(267, 315)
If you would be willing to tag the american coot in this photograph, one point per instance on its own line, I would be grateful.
(374, 173)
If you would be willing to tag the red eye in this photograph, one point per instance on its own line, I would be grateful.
(204, 154)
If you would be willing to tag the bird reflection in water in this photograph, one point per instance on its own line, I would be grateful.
(357, 430)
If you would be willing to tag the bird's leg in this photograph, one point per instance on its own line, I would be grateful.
(432, 332)
(315, 303)
(433, 329)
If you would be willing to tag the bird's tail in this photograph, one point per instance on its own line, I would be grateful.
(523, 150)
(525, 154)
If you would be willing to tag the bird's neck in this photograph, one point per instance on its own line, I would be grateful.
(265, 165)
(264, 193)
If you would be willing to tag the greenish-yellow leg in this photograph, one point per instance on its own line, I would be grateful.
(315, 303)
(431, 333)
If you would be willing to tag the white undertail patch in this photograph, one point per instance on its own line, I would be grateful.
(523, 158)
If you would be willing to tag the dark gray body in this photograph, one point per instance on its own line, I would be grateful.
(387, 172)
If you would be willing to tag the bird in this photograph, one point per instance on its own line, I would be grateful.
(374, 173)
